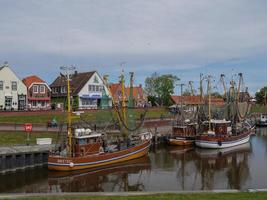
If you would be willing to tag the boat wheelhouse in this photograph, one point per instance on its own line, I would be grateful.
(183, 134)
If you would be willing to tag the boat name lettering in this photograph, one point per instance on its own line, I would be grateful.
(63, 161)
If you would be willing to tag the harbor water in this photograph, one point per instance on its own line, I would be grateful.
(165, 169)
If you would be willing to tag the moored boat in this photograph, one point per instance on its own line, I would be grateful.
(221, 136)
(262, 122)
(183, 135)
(90, 151)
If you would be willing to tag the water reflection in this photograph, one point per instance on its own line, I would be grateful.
(113, 178)
(165, 169)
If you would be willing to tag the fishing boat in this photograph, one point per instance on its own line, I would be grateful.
(184, 129)
(221, 133)
(183, 134)
(87, 149)
(262, 122)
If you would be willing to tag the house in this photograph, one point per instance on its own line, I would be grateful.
(13, 92)
(87, 91)
(195, 100)
(38, 93)
(139, 96)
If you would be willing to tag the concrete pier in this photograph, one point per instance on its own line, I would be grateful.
(22, 157)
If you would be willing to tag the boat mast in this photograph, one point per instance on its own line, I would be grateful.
(131, 99)
(123, 104)
(190, 83)
(209, 93)
(224, 86)
(241, 82)
(201, 86)
(67, 71)
(105, 79)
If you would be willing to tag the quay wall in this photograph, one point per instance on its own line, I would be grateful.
(21, 157)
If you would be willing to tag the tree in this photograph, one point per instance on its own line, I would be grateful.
(164, 87)
(261, 96)
(160, 88)
(150, 84)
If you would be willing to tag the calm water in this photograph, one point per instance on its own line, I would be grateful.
(165, 169)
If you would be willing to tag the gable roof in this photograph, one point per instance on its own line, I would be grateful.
(29, 80)
(78, 80)
(196, 100)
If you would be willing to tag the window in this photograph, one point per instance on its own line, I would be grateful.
(35, 89)
(14, 85)
(1, 85)
(96, 88)
(63, 89)
(34, 103)
(96, 80)
(42, 89)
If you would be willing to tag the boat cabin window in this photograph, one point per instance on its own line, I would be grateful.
(82, 141)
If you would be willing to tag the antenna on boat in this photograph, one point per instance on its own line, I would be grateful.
(67, 70)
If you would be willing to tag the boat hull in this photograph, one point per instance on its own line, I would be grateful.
(181, 141)
(60, 163)
(219, 144)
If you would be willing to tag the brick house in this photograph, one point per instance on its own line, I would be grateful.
(38, 93)
(139, 96)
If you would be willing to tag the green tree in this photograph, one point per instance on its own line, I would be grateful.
(261, 96)
(164, 87)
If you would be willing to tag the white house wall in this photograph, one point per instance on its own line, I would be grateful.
(7, 76)
(85, 89)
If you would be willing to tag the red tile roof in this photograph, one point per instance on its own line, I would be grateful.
(196, 100)
(138, 91)
(32, 79)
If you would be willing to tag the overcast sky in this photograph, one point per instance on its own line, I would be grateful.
(181, 37)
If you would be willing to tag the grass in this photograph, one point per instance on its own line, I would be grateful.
(20, 138)
(201, 196)
(259, 109)
(100, 115)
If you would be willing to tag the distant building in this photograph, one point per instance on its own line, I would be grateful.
(12, 90)
(139, 96)
(195, 100)
(38, 93)
(87, 90)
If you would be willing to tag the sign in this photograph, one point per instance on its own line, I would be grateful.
(91, 96)
(28, 127)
